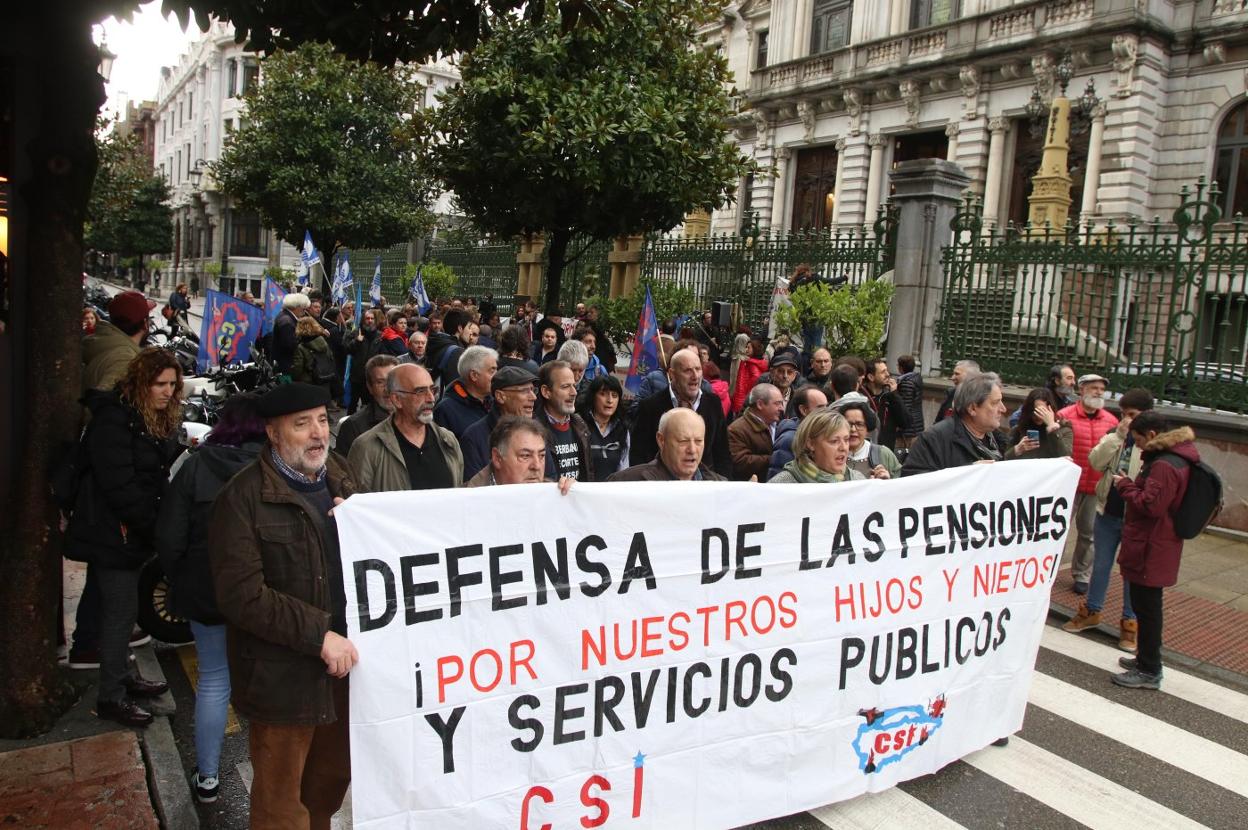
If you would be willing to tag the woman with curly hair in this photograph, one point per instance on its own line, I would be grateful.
(129, 445)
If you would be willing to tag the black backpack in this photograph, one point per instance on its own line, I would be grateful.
(1202, 500)
(324, 370)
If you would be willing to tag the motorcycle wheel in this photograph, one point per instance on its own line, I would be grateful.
(155, 615)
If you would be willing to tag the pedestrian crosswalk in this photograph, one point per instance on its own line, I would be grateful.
(1090, 755)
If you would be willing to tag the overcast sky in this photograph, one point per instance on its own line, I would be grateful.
(142, 45)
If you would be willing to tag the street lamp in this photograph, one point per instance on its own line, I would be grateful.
(106, 61)
(196, 172)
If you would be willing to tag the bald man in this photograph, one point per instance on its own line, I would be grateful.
(408, 451)
(684, 391)
(681, 438)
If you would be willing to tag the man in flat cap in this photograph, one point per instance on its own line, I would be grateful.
(278, 579)
(514, 394)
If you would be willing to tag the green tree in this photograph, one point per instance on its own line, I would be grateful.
(854, 319)
(619, 316)
(440, 279)
(58, 93)
(128, 213)
(588, 132)
(329, 146)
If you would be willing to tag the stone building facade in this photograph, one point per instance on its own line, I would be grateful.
(834, 93)
(199, 103)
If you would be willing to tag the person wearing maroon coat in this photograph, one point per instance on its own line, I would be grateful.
(1091, 422)
(1151, 549)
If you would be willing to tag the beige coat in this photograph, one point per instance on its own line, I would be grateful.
(1104, 457)
(378, 461)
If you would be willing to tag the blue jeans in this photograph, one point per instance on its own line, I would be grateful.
(212, 696)
(1106, 535)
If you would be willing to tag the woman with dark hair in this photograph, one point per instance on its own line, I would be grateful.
(1151, 549)
(608, 440)
(1039, 432)
(394, 336)
(182, 544)
(749, 369)
(129, 445)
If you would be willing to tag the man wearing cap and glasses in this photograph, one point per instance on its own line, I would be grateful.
(1091, 423)
(514, 394)
(277, 572)
(408, 451)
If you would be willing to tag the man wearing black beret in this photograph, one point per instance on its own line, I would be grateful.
(278, 579)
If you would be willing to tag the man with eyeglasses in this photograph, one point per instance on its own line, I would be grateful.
(408, 451)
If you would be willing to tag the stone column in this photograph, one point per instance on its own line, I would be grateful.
(897, 17)
(951, 133)
(529, 264)
(875, 174)
(927, 193)
(841, 144)
(1092, 176)
(779, 198)
(996, 160)
(625, 261)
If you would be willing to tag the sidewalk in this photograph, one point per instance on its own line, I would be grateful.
(90, 773)
(1206, 613)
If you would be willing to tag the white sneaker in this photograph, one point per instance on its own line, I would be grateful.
(205, 788)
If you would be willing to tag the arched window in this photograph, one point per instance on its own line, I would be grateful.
(1230, 168)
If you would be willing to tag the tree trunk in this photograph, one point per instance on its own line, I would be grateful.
(33, 693)
(556, 260)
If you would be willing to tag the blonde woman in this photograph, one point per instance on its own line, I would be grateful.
(820, 452)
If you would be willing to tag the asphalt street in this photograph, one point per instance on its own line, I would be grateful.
(1090, 755)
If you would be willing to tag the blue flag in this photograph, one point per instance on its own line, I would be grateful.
(418, 293)
(308, 257)
(645, 347)
(273, 296)
(374, 293)
(342, 278)
(229, 329)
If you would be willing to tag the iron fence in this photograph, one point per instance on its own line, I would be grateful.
(587, 275)
(486, 269)
(394, 283)
(1162, 306)
(744, 270)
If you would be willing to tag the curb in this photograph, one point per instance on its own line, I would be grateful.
(1186, 661)
(171, 791)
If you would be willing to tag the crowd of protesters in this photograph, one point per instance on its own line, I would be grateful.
(458, 397)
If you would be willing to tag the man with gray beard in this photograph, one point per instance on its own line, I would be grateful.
(408, 451)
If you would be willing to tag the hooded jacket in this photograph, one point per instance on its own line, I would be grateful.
(459, 410)
(1089, 429)
(105, 356)
(1151, 550)
(183, 523)
(393, 342)
(442, 366)
(114, 520)
(782, 447)
(748, 372)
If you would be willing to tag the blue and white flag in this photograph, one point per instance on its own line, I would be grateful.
(418, 293)
(342, 278)
(374, 293)
(308, 257)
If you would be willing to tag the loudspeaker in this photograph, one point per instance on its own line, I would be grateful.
(721, 313)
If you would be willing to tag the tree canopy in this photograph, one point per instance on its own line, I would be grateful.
(384, 31)
(329, 145)
(593, 131)
(128, 213)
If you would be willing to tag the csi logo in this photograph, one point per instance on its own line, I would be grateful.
(888, 735)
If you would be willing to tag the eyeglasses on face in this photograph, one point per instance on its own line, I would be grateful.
(419, 391)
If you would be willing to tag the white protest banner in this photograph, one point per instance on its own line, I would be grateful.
(687, 655)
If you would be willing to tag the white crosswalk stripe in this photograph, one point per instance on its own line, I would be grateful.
(1199, 756)
(1073, 791)
(1193, 689)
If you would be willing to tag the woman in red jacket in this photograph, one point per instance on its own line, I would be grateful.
(1150, 552)
(748, 372)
